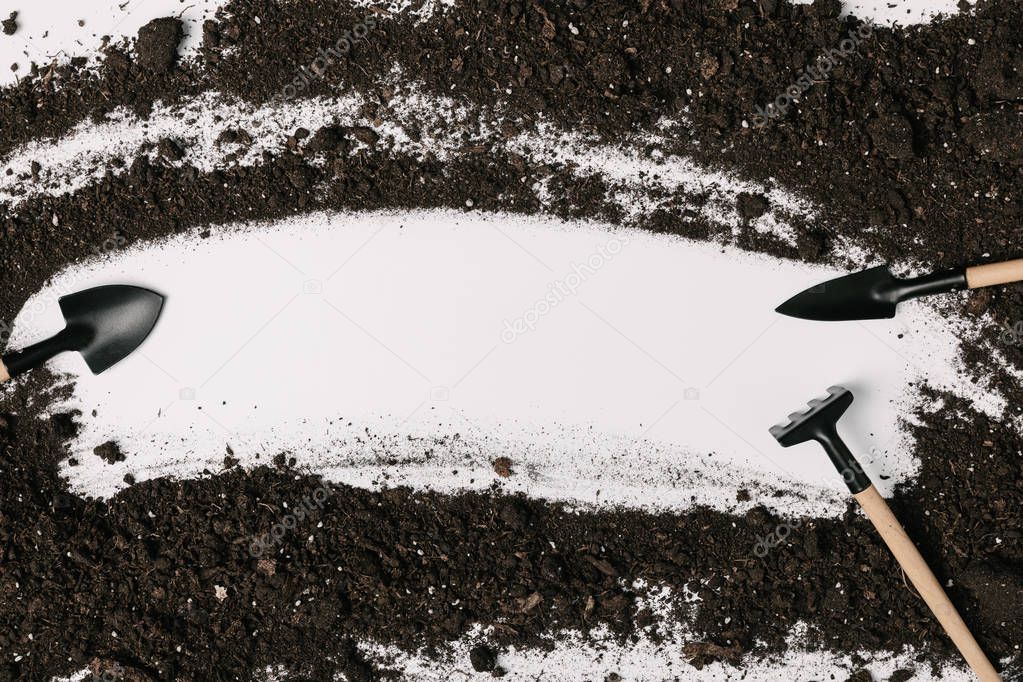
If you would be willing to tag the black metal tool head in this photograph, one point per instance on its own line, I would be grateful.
(822, 417)
(867, 295)
(820, 423)
(872, 294)
(107, 323)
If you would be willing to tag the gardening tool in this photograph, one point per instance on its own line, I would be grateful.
(873, 294)
(820, 423)
(104, 324)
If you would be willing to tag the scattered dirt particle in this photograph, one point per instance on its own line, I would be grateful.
(709, 66)
(529, 603)
(503, 467)
(752, 206)
(482, 658)
(978, 301)
(109, 452)
(10, 24)
(365, 135)
(157, 44)
(704, 653)
(170, 150)
(860, 676)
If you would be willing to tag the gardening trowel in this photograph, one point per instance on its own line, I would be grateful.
(873, 294)
(104, 324)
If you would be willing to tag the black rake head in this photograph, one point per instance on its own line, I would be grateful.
(809, 424)
(820, 423)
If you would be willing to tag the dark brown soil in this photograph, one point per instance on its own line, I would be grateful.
(109, 452)
(911, 147)
(421, 568)
(157, 45)
(10, 24)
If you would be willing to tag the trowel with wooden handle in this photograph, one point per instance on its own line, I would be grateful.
(874, 294)
(104, 324)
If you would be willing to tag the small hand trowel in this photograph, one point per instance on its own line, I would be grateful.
(874, 294)
(104, 324)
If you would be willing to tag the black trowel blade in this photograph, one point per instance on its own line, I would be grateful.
(111, 321)
(868, 295)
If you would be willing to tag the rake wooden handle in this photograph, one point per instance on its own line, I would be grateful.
(924, 581)
(4, 374)
(994, 273)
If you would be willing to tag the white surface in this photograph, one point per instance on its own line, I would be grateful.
(901, 12)
(650, 380)
(576, 659)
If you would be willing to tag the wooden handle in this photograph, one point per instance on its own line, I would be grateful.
(4, 374)
(924, 581)
(994, 273)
